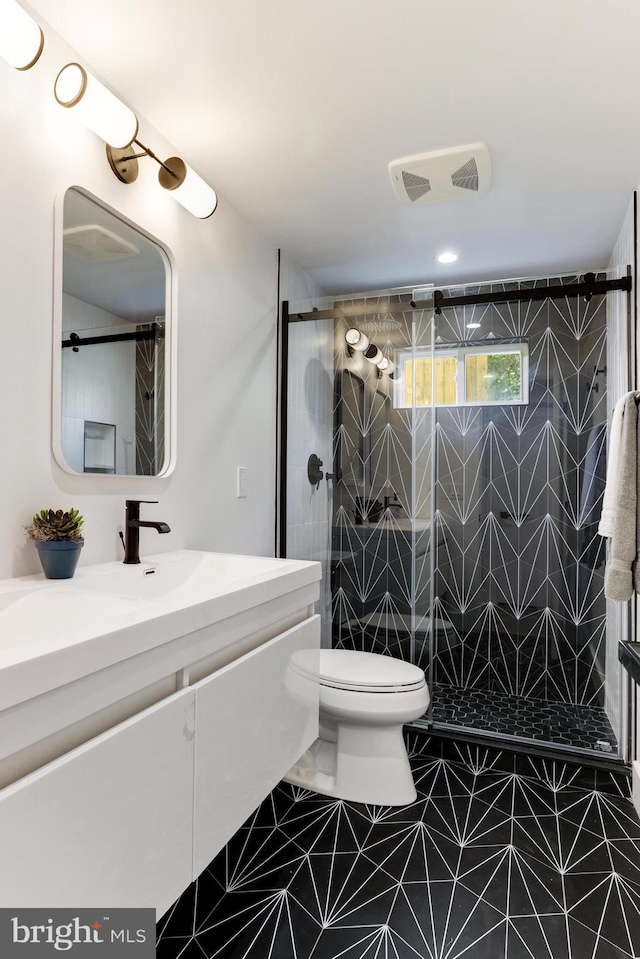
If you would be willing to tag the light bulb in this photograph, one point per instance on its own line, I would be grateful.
(21, 39)
(98, 108)
(386, 365)
(357, 340)
(373, 354)
(188, 188)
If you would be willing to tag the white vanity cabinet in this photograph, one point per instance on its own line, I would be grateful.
(128, 758)
(108, 824)
(241, 753)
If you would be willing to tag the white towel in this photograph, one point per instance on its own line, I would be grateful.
(611, 489)
(618, 578)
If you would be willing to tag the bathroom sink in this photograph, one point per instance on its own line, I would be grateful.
(54, 632)
(27, 614)
(180, 578)
(9, 599)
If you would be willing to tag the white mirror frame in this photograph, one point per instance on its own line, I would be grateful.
(171, 358)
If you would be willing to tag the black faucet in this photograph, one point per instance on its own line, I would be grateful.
(391, 500)
(132, 529)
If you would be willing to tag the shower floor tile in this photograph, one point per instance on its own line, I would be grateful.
(565, 724)
(483, 865)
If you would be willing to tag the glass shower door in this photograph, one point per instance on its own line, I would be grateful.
(309, 431)
(375, 536)
(459, 530)
(520, 622)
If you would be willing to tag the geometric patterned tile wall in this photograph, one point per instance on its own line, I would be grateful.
(519, 603)
(150, 407)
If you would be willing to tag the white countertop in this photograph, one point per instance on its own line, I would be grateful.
(111, 612)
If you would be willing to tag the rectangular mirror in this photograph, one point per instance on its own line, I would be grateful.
(112, 386)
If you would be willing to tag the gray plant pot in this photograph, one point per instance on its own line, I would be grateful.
(59, 558)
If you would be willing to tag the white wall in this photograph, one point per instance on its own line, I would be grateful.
(226, 281)
(98, 384)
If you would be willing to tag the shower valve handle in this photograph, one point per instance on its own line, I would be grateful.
(314, 473)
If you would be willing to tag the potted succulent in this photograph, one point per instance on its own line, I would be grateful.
(58, 538)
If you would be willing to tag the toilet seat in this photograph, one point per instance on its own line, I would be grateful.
(359, 672)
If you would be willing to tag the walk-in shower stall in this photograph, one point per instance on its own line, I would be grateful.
(443, 455)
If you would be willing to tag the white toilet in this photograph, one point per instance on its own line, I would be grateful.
(364, 700)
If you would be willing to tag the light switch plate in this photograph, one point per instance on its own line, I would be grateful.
(242, 482)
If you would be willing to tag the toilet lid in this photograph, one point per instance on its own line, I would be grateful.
(362, 672)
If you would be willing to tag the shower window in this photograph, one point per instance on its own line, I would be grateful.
(495, 375)
(415, 388)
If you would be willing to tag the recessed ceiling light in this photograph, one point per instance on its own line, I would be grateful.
(473, 326)
(447, 257)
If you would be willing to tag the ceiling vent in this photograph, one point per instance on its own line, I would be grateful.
(442, 175)
(97, 244)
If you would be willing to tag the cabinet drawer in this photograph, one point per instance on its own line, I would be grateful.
(254, 719)
(110, 823)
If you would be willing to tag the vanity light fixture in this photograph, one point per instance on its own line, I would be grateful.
(373, 354)
(189, 189)
(447, 256)
(116, 124)
(98, 108)
(21, 39)
(357, 340)
(385, 365)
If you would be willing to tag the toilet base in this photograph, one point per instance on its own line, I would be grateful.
(366, 764)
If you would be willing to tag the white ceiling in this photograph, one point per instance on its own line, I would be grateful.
(292, 109)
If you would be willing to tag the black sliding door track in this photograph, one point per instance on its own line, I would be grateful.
(586, 288)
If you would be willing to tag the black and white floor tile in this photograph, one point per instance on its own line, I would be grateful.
(568, 724)
(553, 769)
(484, 865)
